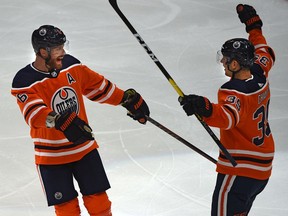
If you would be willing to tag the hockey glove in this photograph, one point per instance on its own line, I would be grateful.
(136, 106)
(196, 104)
(249, 17)
(75, 129)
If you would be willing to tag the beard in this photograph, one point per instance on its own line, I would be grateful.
(54, 64)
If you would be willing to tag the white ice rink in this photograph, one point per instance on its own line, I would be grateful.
(151, 173)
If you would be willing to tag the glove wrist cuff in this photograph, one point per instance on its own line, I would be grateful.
(68, 121)
(128, 94)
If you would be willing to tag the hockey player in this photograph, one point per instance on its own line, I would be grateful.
(49, 93)
(242, 116)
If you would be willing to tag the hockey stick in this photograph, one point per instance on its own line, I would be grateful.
(169, 78)
(185, 142)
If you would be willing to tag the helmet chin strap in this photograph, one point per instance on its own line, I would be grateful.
(234, 72)
(47, 60)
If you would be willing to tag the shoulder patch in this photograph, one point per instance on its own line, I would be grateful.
(22, 97)
(232, 99)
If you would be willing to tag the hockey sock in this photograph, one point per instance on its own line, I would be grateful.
(98, 204)
(70, 208)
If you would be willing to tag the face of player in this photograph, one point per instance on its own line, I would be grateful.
(226, 66)
(57, 54)
(224, 61)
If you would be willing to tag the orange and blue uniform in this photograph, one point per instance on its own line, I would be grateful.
(39, 93)
(242, 116)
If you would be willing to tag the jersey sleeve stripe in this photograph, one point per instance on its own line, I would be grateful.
(103, 93)
(229, 119)
(259, 46)
(234, 112)
(103, 84)
(32, 108)
(31, 102)
(108, 95)
(33, 114)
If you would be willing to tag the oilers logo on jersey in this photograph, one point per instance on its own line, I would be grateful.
(65, 98)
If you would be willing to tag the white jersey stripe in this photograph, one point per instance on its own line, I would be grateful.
(59, 154)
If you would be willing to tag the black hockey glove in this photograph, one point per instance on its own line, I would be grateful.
(136, 106)
(247, 15)
(75, 129)
(196, 104)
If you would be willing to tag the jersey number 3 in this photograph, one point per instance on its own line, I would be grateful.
(261, 114)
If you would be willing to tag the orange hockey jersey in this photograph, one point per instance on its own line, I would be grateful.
(39, 93)
(242, 116)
